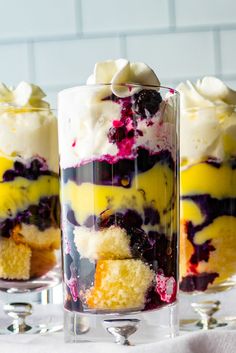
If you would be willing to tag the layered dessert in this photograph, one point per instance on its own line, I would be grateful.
(29, 203)
(208, 185)
(117, 142)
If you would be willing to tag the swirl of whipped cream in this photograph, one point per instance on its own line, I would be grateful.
(207, 120)
(120, 72)
(24, 95)
(28, 128)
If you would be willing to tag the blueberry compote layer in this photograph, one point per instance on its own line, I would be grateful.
(208, 218)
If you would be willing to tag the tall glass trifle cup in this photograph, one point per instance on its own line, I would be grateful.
(118, 157)
(29, 210)
(208, 210)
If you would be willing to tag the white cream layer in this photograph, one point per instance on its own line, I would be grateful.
(28, 127)
(207, 120)
(85, 120)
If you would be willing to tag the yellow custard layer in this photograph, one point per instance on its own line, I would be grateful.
(18, 194)
(5, 164)
(154, 188)
(203, 178)
(219, 183)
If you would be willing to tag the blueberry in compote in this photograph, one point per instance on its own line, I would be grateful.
(151, 216)
(116, 134)
(147, 102)
(19, 167)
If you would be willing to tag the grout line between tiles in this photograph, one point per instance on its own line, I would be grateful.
(217, 53)
(78, 16)
(141, 32)
(172, 14)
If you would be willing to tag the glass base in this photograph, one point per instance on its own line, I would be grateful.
(192, 325)
(17, 318)
(128, 329)
(207, 311)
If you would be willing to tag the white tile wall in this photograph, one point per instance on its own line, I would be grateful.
(174, 56)
(55, 43)
(205, 12)
(32, 18)
(14, 63)
(123, 15)
(71, 61)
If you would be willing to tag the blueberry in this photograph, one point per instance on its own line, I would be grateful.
(6, 228)
(116, 134)
(131, 133)
(132, 219)
(9, 175)
(151, 216)
(35, 165)
(19, 167)
(147, 102)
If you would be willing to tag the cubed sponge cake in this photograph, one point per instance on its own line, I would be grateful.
(119, 285)
(108, 243)
(50, 238)
(14, 260)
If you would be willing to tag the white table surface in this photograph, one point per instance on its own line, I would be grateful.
(214, 341)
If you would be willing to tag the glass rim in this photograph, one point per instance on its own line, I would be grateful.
(131, 84)
(24, 109)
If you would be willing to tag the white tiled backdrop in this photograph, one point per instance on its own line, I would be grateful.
(55, 43)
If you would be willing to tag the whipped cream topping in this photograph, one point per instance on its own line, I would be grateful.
(24, 95)
(120, 72)
(28, 127)
(207, 120)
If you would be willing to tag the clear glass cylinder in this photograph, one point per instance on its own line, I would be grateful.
(30, 237)
(208, 206)
(119, 198)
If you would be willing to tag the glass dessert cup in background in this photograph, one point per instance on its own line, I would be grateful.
(118, 155)
(29, 212)
(208, 219)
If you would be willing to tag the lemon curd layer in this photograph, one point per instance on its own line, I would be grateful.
(205, 178)
(153, 188)
(5, 164)
(17, 195)
(192, 212)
